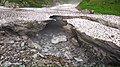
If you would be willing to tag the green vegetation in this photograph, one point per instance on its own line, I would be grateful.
(111, 7)
(29, 3)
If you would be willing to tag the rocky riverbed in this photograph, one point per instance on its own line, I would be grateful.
(58, 36)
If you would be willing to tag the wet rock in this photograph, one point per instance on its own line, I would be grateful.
(59, 20)
(58, 39)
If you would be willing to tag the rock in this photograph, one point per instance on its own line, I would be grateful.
(2, 32)
(68, 55)
(34, 45)
(23, 28)
(107, 20)
(34, 50)
(86, 11)
(75, 42)
(89, 27)
(58, 39)
(100, 38)
(37, 46)
(78, 59)
(2, 57)
(12, 41)
(7, 63)
(22, 44)
(42, 56)
(35, 56)
(91, 11)
(59, 20)
(25, 37)
(38, 54)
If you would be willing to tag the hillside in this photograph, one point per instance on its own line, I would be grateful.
(102, 6)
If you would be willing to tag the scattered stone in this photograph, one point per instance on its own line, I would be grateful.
(34, 45)
(25, 37)
(86, 11)
(2, 33)
(41, 55)
(7, 63)
(22, 44)
(35, 56)
(34, 50)
(68, 55)
(11, 42)
(2, 57)
(78, 59)
(74, 41)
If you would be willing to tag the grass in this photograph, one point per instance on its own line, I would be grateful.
(106, 8)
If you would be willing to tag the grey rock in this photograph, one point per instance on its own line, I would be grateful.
(35, 56)
(68, 55)
(58, 39)
(9, 41)
(34, 45)
(22, 44)
(34, 50)
(86, 11)
(78, 59)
